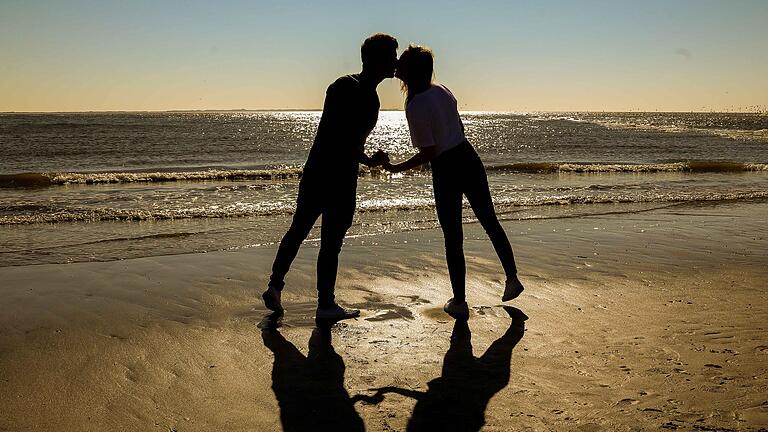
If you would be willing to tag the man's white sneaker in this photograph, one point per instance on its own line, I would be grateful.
(336, 312)
(512, 289)
(458, 310)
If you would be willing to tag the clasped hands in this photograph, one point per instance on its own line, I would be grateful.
(381, 158)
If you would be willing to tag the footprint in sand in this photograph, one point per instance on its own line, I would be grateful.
(416, 300)
(627, 402)
(590, 427)
(388, 314)
(437, 314)
(482, 310)
(384, 311)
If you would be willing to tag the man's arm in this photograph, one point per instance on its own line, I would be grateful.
(425, 154)
(339, 108)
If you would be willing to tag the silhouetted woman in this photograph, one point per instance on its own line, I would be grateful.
(438, 133)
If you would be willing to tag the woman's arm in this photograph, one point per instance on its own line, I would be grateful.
(425, 154)
(419, 117)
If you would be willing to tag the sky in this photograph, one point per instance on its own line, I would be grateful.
(102, 55)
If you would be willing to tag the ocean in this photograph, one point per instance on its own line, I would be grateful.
(77, 187)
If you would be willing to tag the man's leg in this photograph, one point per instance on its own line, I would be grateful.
(306, 214)
(337, 218)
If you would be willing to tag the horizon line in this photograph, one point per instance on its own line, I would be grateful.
(763, 111)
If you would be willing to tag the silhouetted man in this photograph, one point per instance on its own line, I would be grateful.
(310, 389)
(329, 182)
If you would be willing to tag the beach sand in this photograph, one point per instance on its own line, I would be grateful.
(640, 321)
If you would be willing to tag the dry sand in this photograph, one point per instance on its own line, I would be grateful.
(635, 322)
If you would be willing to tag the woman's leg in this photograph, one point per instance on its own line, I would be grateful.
(479, 197)
(448, 206)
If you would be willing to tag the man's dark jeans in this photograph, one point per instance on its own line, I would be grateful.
(455, 173)
(334, 200)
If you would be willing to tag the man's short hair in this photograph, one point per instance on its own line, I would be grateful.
(376, 45)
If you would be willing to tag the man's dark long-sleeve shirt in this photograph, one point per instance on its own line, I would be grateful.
(350, 112)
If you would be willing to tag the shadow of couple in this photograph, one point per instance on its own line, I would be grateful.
(311, 395)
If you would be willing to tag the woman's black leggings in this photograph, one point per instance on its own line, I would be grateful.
(455, 173)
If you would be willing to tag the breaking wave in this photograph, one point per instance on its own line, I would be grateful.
(578, 167)
(26, 214)
(64, 178)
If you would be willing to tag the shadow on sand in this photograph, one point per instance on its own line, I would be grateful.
(310, 390)
(457, 400)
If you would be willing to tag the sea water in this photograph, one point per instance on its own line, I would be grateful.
(107, 186)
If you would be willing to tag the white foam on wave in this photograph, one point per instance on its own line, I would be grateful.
(132, 177)
(737, 134)
(23, 180)
(580, 167)
(371, 206)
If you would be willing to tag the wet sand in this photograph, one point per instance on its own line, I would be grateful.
(639, 321)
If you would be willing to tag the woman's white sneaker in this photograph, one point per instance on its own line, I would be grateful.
(512, 289)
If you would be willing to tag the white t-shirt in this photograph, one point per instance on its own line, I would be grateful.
(433, 119)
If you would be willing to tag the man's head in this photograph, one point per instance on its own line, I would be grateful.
(379, 55)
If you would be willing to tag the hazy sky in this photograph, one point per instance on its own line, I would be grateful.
(494, 55)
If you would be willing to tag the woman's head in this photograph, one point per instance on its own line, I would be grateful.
(415, 69)
(379, 55)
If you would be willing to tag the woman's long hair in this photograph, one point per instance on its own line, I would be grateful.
(415, 69)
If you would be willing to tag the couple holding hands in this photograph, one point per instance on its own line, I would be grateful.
(329, 181)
